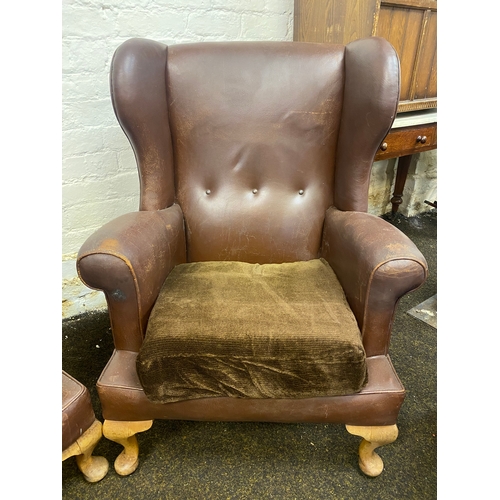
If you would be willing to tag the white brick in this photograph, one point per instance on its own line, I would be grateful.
(151, 24)
(96, 213)
(75, 287)
(421, 184)
(79, 168)
(381, 187)
(76, 88)
(82, 141)
(115, 139)
(84, 56)
(239, 6)
(69, 269)
(280, 6)
(87, 22)
(111, 4)
(427, 161)
(76, 296)
(258, 26)
(95, 113)
(122, 185)
(93, 300)
(186, 5)
(126, 160)
(90, 216)
(74, 240)
(225, 25)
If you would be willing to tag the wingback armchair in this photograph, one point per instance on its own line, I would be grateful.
(252, 284)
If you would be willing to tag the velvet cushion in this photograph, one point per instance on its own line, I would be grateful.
(250, 330)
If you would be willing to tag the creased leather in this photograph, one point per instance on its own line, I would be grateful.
(378, 403)
(77, 412)
(371, 95)
(129, 259)
(268, 205)
(254, 124)
(138, 94)
(376, 264)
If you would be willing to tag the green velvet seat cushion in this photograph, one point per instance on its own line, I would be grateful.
(251, 331)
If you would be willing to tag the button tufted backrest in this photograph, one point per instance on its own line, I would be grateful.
(255, 140)
(254, 132)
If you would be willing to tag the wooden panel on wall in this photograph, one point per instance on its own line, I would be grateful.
(426, 74)
(409, 25)
(334, 21)
(401, 27)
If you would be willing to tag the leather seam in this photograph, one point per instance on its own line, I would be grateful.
(134, 277)
(370, 282)
(74, 398)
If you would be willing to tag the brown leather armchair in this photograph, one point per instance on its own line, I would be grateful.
(252, 285)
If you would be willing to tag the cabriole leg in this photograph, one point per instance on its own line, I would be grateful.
(373, 437)
(92, 468)
(124, 433)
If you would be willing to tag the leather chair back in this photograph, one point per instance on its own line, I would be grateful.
(254, 135)
(248, 138)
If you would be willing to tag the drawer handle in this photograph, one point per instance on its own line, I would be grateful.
(422, 139)
(383, 146)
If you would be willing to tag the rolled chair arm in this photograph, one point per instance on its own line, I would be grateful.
(129, 259)
(376, 264)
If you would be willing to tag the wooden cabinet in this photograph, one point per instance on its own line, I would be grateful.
(409, 25)
(408, 141)
(402, 143)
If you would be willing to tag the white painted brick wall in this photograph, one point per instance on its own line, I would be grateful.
(99, 173)
(420, 185)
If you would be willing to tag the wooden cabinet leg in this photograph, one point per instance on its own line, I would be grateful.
(373, 437)
(124, 433)
(92, 468)
(399, 184)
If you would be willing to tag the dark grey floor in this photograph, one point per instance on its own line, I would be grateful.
(203, 460)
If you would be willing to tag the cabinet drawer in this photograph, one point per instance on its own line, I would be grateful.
(407, 141)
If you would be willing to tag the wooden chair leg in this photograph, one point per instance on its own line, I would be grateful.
(124, 433)
(373, 437)
(92, 468)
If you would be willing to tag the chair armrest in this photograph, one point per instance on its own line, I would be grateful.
(376, 264)
(129, 259)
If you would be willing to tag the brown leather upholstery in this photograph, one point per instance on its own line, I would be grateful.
(263, 130)
(378, 403)
(77, 412)
(81, 431)
(257, 152)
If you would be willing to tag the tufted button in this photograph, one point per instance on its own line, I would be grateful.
(208, 191)
(254, 191)
(301, 192)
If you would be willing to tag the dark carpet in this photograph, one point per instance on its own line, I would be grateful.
(220, 460)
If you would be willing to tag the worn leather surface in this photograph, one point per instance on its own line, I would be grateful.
(254, 151)
(254, 125)
(138, 94)
(378, 403)
(129, 258)
(77, 412)
(376, 264)
(371, 93)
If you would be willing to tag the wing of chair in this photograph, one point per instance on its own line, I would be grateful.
(252, 285)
